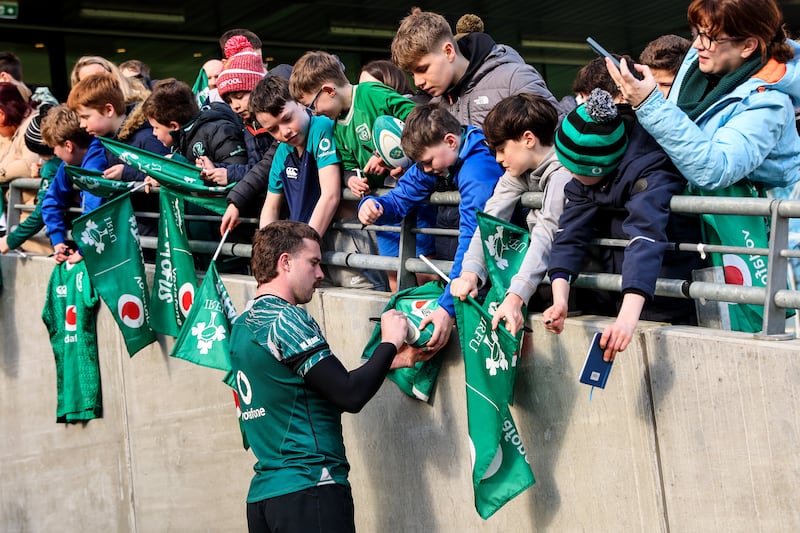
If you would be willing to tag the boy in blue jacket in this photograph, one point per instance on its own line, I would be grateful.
(61, 129)
(449, 157)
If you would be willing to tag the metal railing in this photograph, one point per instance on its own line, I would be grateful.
(775, 297)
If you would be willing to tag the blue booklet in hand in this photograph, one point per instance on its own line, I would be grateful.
(595, 371)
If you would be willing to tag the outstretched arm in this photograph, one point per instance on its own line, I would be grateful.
(350, 391)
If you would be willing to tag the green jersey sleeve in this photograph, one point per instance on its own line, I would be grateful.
(296, 339)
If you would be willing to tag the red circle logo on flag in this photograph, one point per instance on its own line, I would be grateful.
(736, 270)
(131, 310)
(186, 297)
(71, 318)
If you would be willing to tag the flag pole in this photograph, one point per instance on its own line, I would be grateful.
(470, 300)
(219, 247)
(435, 269)
(138, 187)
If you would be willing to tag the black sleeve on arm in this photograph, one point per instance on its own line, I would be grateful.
(254, 183)
(350, 391)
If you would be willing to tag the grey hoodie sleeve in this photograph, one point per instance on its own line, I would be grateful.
(534, 265)
(506, 194)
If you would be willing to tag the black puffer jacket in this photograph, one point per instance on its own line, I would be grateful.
(217, 133)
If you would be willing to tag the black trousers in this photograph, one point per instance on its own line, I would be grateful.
(322, 509)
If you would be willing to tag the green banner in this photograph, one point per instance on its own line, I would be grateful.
(416, 302)
(175, 280)
(500, 469)
(504, 248)
(200, 88)
(182, 179)
(747, 270)
(109, 242)
(204, 337)
(92, 181)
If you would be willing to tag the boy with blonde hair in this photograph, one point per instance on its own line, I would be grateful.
(468, 76)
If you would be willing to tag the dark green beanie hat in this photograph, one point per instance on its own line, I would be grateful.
(592, 139)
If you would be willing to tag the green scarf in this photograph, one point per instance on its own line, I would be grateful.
(695, 96)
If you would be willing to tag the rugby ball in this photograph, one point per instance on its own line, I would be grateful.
(386, 133)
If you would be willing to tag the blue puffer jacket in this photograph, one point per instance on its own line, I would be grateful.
(475, 174)
(750, 133)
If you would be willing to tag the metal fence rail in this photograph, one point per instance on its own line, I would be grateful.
(775, 297)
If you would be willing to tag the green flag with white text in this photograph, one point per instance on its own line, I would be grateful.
(204, 337)
(93, 182)
(504, 248)
(740, 269)
(500, 469)
(183, 179)
(109, 241)
(175, 280)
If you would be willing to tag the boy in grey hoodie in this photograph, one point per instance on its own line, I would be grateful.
(521, 130)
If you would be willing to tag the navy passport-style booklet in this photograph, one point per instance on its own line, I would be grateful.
(595, 371)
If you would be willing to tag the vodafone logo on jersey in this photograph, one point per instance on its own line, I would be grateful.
(131, 310)
(71, 318)
(185, 298)
(737, 271)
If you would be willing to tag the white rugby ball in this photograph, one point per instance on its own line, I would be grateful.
(386, 133)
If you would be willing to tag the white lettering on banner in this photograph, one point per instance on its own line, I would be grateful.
(511, 436)
(167, 279)
(759, 263)
(94, 235)
(227, 303)
(70, 338)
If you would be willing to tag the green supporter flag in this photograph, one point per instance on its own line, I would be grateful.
(174, 280)
(180, 178)
(504, 248)
(416, 302)
(92, 181)
(500, 469)
(200, 89)
(204, 337)
(747, 270)
(109, 241)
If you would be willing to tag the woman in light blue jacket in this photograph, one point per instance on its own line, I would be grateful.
(730, 114)
(728, 123)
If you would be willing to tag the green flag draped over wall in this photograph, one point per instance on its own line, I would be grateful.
(204, 337)
(175, 280)
(182, 179)
(92, 181)
(748, 270)
(417, 302)
(500, 468)
(109, 242)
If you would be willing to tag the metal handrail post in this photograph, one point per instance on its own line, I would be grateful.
(774, 325)
(408, 249)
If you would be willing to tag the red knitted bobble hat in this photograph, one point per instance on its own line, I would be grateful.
(244, 68)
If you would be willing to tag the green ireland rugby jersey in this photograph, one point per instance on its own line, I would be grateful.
(295, 433)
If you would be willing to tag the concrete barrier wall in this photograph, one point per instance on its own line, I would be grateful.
(697, 431)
